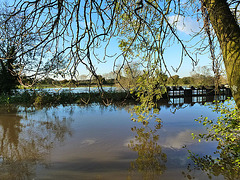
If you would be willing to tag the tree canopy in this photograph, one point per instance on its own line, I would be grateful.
(76, 30)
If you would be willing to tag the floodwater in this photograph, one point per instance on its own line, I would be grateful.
(74, 89)
(98, 142)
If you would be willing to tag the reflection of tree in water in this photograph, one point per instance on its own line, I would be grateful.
(151, 160)
(27, 143)
(226, 131)
(226, 164)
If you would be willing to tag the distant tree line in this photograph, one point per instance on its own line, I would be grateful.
(128, 76)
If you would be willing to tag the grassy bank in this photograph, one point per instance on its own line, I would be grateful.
(49, 99)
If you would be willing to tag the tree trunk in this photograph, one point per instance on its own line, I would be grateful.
(228, 34)
(2, 67)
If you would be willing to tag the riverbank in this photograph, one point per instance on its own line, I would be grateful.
(44, 98)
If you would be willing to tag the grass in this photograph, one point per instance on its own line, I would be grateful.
(42, 98)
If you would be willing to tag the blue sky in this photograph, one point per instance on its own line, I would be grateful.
(172, 54)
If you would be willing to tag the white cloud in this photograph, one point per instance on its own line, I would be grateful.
(89, 141)
(128, 141)
(187, 25)
(178, 141)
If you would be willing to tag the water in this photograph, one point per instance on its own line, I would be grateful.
(97, 142)
(73, 90)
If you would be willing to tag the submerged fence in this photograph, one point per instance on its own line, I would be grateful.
(202, 91)
(192, 95)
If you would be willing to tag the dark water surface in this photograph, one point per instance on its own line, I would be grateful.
(97, 142)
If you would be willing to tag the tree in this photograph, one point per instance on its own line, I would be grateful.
(186, 80)
(20, 58)
(99, 79)
(8, 79)
(173, 80)
(202, 77)
(8, 53)
(227, 30)
(13, 66)
(110, 75)
(128, 75)
(76, 29)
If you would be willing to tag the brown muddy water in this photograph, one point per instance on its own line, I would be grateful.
(97, 142)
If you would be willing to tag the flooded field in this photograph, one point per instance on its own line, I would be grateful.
(98, 142)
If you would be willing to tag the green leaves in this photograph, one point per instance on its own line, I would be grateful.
(226, 128)
(149, 89)
(226, 131)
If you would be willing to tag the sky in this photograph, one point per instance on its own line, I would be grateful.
(185, 27)
(172, 54)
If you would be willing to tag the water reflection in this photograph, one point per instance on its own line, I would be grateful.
(225, 131)
(26, 143)
(151, 160)
(86, 142)
(224, 162)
